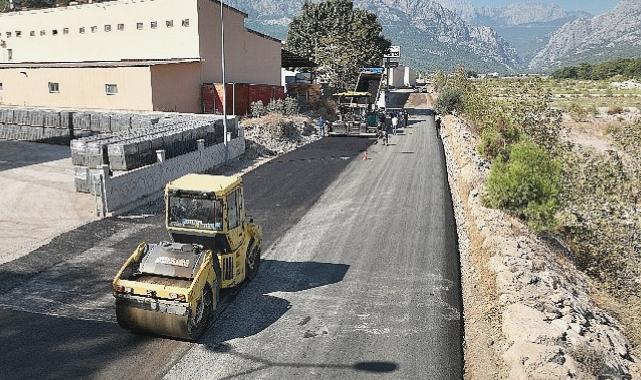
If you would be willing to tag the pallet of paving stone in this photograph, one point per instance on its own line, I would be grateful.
(79, 154)
(178, 140)
(82, 179)
(6, 116)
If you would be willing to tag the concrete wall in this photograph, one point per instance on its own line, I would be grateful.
(410, 77)
(79, 88)
(402, 76)
(250, 58)
(176, 87)
(161, 43)
(124, 192)
(396, 76)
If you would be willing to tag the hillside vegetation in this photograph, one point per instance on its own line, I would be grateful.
(622, 68)
(588, 199)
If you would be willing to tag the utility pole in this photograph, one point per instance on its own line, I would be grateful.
(222, 48)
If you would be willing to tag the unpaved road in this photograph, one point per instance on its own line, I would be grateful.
(360, 278)
(38, 200)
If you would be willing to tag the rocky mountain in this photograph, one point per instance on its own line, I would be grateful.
(613, 34)
(526, 13)
(527, 26)
(432, 36)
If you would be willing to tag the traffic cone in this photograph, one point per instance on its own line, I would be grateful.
(365, 157)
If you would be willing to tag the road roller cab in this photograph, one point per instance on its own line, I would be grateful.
(173, 288)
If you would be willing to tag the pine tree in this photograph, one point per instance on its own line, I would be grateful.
(339, 38)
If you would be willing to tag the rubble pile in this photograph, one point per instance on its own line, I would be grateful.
(276, 134)
(551, 327)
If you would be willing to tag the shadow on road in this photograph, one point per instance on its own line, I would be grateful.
(374, 367)
(16, 154)
(252, 309)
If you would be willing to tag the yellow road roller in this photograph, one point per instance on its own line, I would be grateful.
(173, 288)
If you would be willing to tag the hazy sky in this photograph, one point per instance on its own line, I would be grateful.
(592, 6)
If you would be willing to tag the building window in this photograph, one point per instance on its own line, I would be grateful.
(32, 33)
(18, 33)
(111, 89)
(54, 87)
(107, 28)
(54, 32)
(139, 26)
(154, 24)
(121, 27)
(94, 29)
(43, 32)
(81, 30)
(65, 31)
(9, 54)
(169, 23)
(186, 22)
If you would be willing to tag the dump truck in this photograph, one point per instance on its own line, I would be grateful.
(355, 106)
(172, 288)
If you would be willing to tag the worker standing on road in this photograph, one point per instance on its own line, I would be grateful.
(405, 118)
(321, 126)
(394, 123)
(388, 132)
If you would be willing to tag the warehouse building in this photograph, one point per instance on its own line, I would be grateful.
(145, 55)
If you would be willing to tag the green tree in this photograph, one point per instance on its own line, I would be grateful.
(339, 37)
(527, 184)
(440, 81)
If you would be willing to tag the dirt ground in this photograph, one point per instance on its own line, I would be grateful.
(38, 199)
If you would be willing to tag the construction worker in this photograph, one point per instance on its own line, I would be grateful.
(405, 118)
(394, 122)
(388, 132)
(320, 123)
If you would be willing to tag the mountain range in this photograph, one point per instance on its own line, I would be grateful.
(613, 34)
(442, 34)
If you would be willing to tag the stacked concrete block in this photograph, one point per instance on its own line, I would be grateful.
(81, 121)
(52, 119)
(120, 122)
(6, 116)
(176, 140)
(82, 179)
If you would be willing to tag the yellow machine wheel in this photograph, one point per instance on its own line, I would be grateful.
(199, 318)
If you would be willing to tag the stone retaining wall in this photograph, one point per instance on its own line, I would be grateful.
(529, 313)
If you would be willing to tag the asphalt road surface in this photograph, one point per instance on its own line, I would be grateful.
(360, 279)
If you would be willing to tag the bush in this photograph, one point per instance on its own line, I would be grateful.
(257, 109)
(527, 184)
(615, 110)
(290, 106)
(496, 139)
(449, 100)
(578, 112)
(276, 106)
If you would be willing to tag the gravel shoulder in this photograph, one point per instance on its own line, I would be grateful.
(38, 199)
